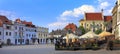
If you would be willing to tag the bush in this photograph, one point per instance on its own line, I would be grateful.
(95, 47)
(117, 41)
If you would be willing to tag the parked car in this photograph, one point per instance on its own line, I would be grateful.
(0, 44)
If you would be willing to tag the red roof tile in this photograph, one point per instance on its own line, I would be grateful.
(5, 20)
(1, 23)
(28, 24)
(24, 22)
(18, 20)
(71, 26)
(107, 18)
(93, 16)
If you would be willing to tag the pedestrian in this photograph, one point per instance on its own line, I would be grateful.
(0, 44)
(110, 45)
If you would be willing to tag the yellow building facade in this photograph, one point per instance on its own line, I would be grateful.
(89, 24)
(94, 21)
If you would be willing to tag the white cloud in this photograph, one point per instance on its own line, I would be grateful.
(9, 14)
(84, 8)
(57, 25)
(74, 15)
(76, 12)
(104, 5)
(66, 13)
(70, 16)
(101, 1)
(108, 11)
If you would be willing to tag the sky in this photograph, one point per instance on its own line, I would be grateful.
(53, 14)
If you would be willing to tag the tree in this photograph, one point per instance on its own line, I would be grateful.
(105, 25)
(82, 29)
(98, 31)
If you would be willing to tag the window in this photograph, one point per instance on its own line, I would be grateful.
(19, 40)
(16, 27)
(15, 33)
(29, 35)
(19, 34)
(26, 34)
(22, 40)
(19, 28)
(87, 24)
(35, 31)
(7, 27)
(9, 33)
(81, 24)
(34, 35)
(0, 33)
(6, 33)
(22, 28)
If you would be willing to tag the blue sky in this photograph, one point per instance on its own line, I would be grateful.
(53, 14)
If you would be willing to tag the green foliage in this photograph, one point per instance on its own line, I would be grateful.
(98, 31)
(117, 41)
(82, 29)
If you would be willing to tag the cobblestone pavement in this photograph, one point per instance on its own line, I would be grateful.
(48, 49)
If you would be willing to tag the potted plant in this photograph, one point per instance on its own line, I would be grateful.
(95, 46)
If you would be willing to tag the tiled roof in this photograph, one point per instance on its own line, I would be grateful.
(24, 22)
(107, 18)
(81, 20)
(18, 20)
(71, 26)
(5, 20)
(1, 24)
(93, 16)
(28, 24)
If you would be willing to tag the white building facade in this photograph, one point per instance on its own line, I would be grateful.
(20, 32)
(19, 35)
(31, 35)
(42, 35)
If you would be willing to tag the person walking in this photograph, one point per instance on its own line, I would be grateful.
(0, 44)
(110, 45)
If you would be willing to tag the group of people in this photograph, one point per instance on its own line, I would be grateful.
(86, 43)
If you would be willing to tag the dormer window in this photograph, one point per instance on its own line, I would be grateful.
(6, 21)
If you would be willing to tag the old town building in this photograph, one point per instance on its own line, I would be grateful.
(6, 30)
(94, 21)
(42, 35)
(19, 32)
(72, 28)
(116, 19)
